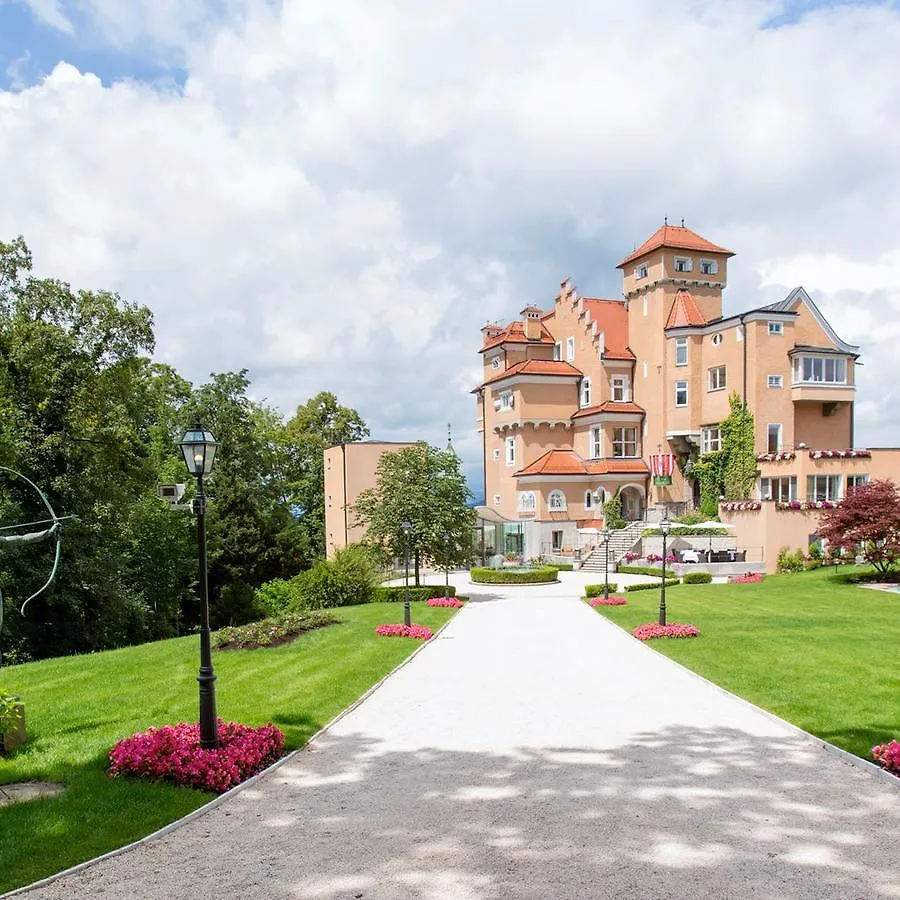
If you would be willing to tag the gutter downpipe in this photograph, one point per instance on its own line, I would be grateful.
(344, 468)
(484, 462)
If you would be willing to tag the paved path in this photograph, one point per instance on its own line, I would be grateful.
(534, 750)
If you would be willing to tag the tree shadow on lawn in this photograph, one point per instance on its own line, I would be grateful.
(678, 813)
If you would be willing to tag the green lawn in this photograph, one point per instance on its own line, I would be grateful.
(78, 707)
(807, 647)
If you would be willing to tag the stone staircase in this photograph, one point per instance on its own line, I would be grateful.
(620, 542)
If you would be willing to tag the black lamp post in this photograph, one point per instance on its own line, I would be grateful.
(604, 536)
(446, 565)
(199, 449)
(406, 617)
(664, 527)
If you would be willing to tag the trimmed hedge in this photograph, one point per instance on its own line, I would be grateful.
(697, 578)
(395, 594)
(652, 587)
(596, 590)
(483, 575)
(561, 567)
(687, 531)
(643, 570)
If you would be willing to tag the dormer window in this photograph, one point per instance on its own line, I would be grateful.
(683, 264)
(709, 267)
(641, 271)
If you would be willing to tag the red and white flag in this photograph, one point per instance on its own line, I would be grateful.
(662, 465)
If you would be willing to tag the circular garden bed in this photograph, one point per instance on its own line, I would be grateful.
(514, 575)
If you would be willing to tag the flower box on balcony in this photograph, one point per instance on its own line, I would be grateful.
(806, 504)
(741, 506)
(840, 454)
(776, 457)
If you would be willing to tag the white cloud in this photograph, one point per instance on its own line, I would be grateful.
(342, 194)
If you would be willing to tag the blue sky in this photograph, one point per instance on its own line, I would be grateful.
(339, 195)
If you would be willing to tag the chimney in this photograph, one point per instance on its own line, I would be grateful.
(532, 318)
(490, 331)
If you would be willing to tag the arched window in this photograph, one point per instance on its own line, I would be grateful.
(556, 501)
(527, 501)
(588, 499)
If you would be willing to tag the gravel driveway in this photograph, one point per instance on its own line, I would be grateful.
(533, 750)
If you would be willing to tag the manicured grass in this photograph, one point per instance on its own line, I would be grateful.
(78, 707)
(807, 647)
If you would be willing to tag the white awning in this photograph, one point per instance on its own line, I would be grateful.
(486, 514)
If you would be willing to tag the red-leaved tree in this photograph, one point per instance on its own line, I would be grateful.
(869, 518)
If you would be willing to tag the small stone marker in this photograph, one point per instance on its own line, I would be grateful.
(28, 790)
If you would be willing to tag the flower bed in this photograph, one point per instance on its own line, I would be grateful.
(607, 601)
(543, 575)
(419, 632)
(173, 753)
(445, 601)
(270, 632)
(749, 578)
(654, 630)
(888, 756)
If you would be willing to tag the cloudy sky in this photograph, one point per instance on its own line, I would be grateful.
(338, 194)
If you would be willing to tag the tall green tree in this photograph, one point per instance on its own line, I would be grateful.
(423, 486)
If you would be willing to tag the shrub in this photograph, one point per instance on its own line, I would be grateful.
(612, 512)
(453, 602)
(397, 594)
(270, 632)
(596, 590)
(653, 586)
(349, 579)
(173, 753)
(607, 601)
(630, 556)
(419, 632)
(562, 567)
(789, 562)
(276, 596)
(543, 575)
(641, 570)
(653, 630)
(697, 578)
(888, 756)
(691, 518)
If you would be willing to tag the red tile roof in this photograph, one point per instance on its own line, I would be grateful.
(609, 406)
(538, 367)
(684, 311)
(611, 317)
(676, 237)
(514, 333)
(568, 462)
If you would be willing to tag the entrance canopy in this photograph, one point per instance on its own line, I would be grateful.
(486, 514)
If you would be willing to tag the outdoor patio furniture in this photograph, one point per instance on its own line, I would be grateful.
(690, 556)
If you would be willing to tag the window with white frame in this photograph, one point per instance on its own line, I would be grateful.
(781, 489)
(624, 442)
(820, 370)
(683, 264)
(854, 481)
(495, 362)
(527, 501)
(681, 393)
(510, 451)
(585, 392)
(496, 453)
(776, 381)
(641, 271)
(506, 400)
(709, 267)
(681, 351)
(556, 541)
(556, 501)
(776, 327)
(710, 438)
(717, 378)
(557, 351)
(619, 388)
(596, 442)
(570, 349)
(773, 437)
(588, 500)
(823, 487)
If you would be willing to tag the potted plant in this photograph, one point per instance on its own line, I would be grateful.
(12, 722)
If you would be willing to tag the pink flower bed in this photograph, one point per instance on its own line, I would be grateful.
(607, 601)
(888, 756)
(445, 601)
(173, 753)
(653, 630)
(749, 578)
(419, 632)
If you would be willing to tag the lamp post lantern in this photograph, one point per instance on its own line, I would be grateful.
(199, 450)
(446, 565)
(604, 536)
(664, 527)
(406, 617)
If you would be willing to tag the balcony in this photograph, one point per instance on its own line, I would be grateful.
(822, 392)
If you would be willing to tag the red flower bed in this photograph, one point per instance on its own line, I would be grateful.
(173, 753)
(888, 756)
(607, 601)
(653, 630)
(419, 632)
(749, 578)
(445, 601)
